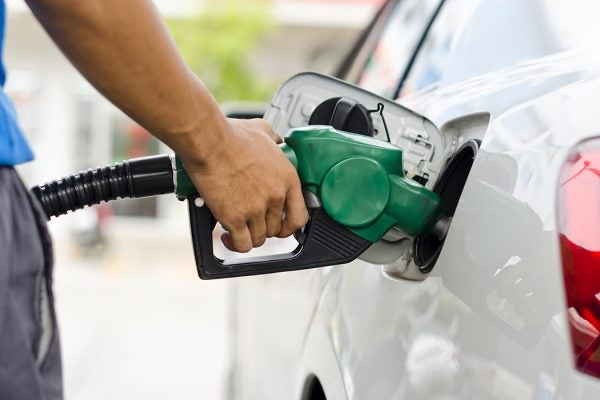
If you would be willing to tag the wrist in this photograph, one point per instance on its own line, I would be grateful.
(199, 139)
(201, 143)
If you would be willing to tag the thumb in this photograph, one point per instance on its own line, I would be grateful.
(268, 129)
(276, 138)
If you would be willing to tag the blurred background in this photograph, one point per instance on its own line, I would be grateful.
(136, 322)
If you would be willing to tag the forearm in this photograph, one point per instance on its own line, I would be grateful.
(124, 50)
(122, 47)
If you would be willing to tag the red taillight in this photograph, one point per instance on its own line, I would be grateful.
(579, 224)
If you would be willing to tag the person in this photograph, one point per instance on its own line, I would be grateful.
(125, 51)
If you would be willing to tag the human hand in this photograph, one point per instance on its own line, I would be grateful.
(247, 183)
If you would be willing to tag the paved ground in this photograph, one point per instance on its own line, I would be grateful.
(139, 324)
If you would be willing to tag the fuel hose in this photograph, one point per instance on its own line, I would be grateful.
(134, 178)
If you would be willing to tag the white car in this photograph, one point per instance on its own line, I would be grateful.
(508, 307)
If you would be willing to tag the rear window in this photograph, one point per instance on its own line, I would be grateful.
(434, 54)
(395, 47)
(474, 37)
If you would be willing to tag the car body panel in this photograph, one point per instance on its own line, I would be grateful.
(490, 321)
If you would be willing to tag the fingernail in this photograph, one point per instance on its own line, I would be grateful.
(226, 239)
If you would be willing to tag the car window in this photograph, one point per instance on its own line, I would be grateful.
(473, 37)
(500, 34)
(395, 46)
(434, 54)
(358, 52)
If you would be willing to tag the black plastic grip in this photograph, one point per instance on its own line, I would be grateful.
(324, 242)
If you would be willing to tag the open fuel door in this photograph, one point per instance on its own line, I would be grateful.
(310, 94)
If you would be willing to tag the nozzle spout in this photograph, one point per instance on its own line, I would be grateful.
(440, 229)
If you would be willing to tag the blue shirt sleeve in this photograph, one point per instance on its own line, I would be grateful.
(14, 148)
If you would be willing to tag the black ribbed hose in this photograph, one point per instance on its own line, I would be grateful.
(138, 177)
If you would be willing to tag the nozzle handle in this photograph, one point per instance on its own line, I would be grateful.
(322, 242)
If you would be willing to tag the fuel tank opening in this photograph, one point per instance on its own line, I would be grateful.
(449, 187)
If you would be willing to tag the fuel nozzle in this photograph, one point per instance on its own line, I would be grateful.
(360, 183)
(440, 228)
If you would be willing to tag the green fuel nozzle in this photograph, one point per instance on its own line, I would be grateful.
(358, 180)
(356, 191)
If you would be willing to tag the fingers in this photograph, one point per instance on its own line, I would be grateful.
(296, 215)
(258, 231)
(238, 240)
(274, 220)
(276, 138)
(243, 237)
(257, 125)
(268, 129)
(259, 228)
